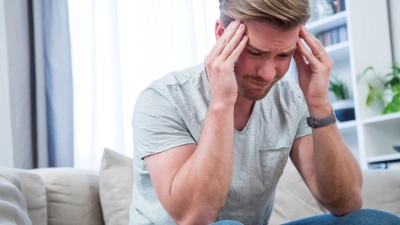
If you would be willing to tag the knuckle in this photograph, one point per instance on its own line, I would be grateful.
(207, 61)
(224, 41)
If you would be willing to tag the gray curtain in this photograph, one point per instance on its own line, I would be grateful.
(39, 59)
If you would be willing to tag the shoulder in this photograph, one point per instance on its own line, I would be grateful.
(173, 85)
(178, 78)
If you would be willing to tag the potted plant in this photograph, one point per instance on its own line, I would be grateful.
(387, 89)
(343, 106)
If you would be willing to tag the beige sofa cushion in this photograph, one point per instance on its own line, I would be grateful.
(13, 208)
(116, 181)
(381, 190)
(293, 198)
(72, 196)
(34, 193)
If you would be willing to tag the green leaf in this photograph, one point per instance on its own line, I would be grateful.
(368, 69)
(396, 89)
(393, 106)
(365, 71)
(373, 95)
(338, 87)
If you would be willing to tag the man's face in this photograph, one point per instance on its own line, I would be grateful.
(265, 59)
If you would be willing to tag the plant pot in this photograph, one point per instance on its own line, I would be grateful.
(344, 110)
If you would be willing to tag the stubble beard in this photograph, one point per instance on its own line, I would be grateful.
(250, 93)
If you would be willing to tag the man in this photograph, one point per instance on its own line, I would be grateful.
(211, 141)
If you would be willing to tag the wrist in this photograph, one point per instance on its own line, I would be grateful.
(320, 111)
(221, 106)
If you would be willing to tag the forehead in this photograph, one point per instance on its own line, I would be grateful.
(267, 37)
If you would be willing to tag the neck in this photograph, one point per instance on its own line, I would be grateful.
(242, 112)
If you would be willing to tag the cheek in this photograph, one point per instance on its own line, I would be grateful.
(244, 63)
(282, 66)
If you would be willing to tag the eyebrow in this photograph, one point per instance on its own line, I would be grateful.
(266, 52)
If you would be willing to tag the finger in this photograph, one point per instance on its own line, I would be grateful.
(307, 54)
(299, 59)
(238, 50)
(225, 37)
(233, 42)
(316, 47)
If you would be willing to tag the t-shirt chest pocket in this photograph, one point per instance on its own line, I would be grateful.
(273, 161)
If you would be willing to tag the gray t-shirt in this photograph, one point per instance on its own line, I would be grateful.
(171, 112)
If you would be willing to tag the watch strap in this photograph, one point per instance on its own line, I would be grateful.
(315, 123)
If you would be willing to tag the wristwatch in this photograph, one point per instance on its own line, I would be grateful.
(315, 123)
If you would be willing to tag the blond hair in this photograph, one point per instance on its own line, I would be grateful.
(285, 14)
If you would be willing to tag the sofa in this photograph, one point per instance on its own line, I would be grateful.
(55, 196)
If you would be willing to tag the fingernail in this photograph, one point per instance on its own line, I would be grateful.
(237, 21)
(241, 26)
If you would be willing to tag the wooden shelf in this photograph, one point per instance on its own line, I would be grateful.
(383, 118)
(347, 126)
(327, 23)
(384, 158)
(339, 52)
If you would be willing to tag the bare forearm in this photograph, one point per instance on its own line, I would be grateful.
(200, 187)
(337, 173)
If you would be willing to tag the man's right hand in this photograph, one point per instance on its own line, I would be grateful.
(220, 63)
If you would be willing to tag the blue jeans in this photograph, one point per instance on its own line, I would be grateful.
(362, 216)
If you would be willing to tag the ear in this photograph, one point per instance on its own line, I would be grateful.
(219, 29)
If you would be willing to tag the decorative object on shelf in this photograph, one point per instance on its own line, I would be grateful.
(397, 147)
(343, 106)
(323, 8)
(338, 5)
(386, 89)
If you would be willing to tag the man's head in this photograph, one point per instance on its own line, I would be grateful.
(272, 27)
(284, 14)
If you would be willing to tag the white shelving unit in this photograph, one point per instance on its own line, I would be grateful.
(371, 136)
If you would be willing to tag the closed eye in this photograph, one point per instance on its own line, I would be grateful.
(284, 56)
(255, 53)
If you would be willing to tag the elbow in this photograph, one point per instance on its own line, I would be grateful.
(194, 218)
(346, 205)
(196, 214)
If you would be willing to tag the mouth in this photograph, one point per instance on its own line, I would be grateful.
(259, 85)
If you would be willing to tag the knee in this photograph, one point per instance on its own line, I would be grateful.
(372, 216)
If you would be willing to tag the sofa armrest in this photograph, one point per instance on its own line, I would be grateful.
(381, 190)
(72, 196)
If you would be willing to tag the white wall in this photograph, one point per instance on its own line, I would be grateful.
(6, 142)
(394, 11)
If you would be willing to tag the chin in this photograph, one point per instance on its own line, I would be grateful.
(254, 95)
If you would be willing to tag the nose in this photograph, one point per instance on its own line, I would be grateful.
(267, 70)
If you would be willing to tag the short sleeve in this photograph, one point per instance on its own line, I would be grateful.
(303, 129)
(157, 125)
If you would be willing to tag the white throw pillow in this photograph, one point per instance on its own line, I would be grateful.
(13, 209)
(34, 192)
(115, 184)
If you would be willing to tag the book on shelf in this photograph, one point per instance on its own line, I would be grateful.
(333, 36)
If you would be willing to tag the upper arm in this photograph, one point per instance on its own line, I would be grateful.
(162, 139)
(164, 166)
(157, 125)
(302, 157)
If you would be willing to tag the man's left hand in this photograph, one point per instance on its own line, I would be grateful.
(315, 72)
